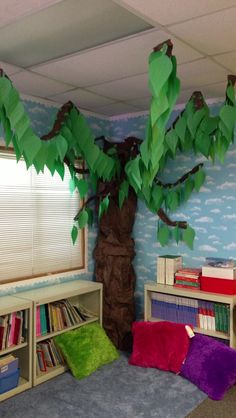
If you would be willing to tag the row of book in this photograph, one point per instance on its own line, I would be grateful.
(48, 356)
(13, 329)
(56, 316)
(201, 314)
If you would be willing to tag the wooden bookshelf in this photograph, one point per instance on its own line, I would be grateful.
(229, 300)
(86, 293)
(23, 351)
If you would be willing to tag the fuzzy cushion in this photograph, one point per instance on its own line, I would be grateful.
(210, 365)
(162, 345)
(85, 349)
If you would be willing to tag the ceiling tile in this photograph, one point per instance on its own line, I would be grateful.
(195, 74)
(117, 60)
(36, 85)
(82, 98)
(125, 89)
(67, 27)
(117, 109)
(9, 69)
(168, 11)
(142, 104)
(211, 91)
(211, 34)
(228, 60)
(11, 10)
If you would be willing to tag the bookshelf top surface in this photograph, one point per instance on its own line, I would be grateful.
(195, 294)
(59, 291)
(11, 304)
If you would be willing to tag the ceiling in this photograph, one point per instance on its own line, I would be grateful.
(95, 53)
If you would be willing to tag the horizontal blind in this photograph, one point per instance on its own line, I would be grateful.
(36, 217)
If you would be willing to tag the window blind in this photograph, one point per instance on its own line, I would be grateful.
(36, 217)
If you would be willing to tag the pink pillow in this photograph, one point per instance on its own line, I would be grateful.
(162, 345)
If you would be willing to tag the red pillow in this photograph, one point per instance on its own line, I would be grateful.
(163, 345)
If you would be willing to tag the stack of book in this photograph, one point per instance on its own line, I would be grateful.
(167, 265)
(188, 278)
(219, 276)
(13, 329)
(9, 373)
(59, 315)
(48, 355)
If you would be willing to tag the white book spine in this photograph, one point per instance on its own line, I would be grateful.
(219, 272)
(161, 270)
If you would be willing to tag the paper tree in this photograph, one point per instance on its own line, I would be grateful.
(121, 173)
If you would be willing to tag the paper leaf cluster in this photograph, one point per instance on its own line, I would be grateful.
(72, 139)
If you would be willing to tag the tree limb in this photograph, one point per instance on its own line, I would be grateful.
(163, 216)
(181, 179)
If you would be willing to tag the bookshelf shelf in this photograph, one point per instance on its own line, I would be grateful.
(230, 301)
(9, 305)
(53, 334)
(78, 293)
(12, 348)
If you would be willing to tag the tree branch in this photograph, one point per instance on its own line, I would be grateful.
(163, 216)
(181, 179)
(85, 203)
(61, 115)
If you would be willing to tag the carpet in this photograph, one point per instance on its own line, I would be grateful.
(116, 390)
(226, 408)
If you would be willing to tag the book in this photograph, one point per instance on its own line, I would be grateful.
(219, 262)
(219, 272)
(161, 269)
(173, 263)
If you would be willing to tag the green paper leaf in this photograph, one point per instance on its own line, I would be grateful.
(5, 88)
(188, 188)
(172, 200)
(82, 186)
(133, 173)
(62, 146)
(103, 206)
(74, 234)
(203, 143)
(188, 236)
(30, 144)
(60, 168)
(171, 139)
(163, 235)
(72, 185)
(160, 67)
(180, 128)
(176, 233)
(158, 196)
(199, 179)
(83, 218)
(123, 192)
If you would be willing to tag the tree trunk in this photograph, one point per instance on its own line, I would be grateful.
(113, 255)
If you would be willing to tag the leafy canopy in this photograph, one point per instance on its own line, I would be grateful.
(195, 129)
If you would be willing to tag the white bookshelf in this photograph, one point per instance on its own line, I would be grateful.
(86, 293)
(23, 351)
(230, 300)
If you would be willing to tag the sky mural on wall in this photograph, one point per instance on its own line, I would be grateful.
(211, 212)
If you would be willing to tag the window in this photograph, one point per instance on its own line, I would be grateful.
(36, 217)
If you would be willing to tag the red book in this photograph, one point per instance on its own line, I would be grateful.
(1, 336)
(16, 330)
(186, 278)
(215, 285)
(190, 271)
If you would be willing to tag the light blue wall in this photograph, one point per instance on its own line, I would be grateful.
(212, 212)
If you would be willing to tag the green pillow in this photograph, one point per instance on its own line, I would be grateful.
(85, 349)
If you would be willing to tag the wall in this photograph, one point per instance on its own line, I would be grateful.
(211, 212)
(42, 115)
